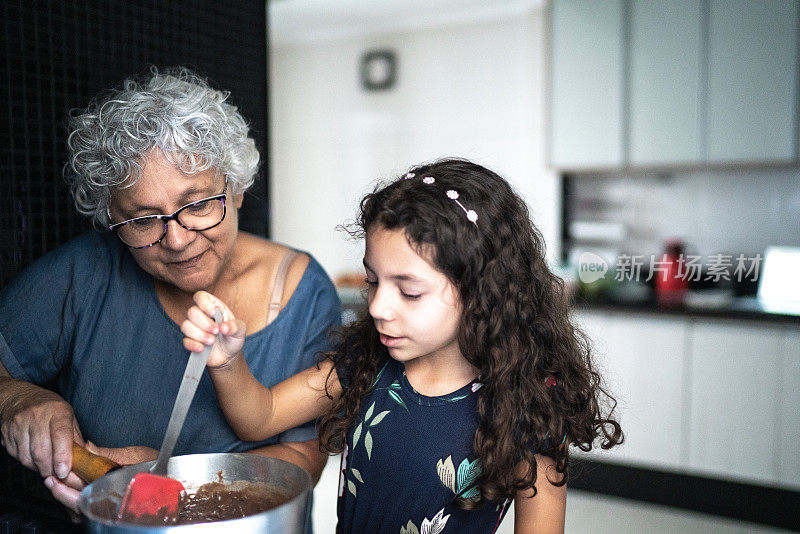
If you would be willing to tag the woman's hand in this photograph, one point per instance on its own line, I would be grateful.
(37, 427)
(67, 490)
(124, 455)
(200, 329)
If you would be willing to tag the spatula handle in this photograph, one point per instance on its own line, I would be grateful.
(89, 466)
(191, 378)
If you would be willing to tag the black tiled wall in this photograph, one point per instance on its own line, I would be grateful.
(57, 55)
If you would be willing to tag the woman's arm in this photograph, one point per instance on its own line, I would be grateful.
(37, 426)
(253, 411)
(544, 513)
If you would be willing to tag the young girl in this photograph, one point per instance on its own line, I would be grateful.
(463, 388)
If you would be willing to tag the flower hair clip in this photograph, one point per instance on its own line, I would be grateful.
(472, 216)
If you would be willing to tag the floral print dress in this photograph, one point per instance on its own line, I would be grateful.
(408, 457)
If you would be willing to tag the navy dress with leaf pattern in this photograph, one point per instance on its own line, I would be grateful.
(407, 458)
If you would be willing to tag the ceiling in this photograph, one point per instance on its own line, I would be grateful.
(315, 20)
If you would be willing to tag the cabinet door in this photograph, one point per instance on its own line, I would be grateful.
(789, 411)
(587, 75)
(664, 81)
(752, 80)
(642, 360)
(735, 393)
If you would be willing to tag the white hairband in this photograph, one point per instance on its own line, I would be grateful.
(452, 194)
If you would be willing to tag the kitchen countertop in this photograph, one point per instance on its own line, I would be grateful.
(743, 308)
(747, 308)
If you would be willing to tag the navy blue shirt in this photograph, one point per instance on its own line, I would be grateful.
(407, 458)
(87, 316)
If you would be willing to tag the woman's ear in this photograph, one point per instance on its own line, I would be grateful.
(238, 199)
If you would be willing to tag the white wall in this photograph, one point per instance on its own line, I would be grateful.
(472, 89)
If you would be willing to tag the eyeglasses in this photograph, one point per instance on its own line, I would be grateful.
(144, 232)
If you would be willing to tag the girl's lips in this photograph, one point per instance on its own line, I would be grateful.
(390, 341)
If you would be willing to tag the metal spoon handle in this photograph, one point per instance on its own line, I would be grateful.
(191, 378)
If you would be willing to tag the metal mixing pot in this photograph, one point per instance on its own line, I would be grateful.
(194, 470)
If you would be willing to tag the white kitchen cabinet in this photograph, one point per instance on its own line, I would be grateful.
(641, 357)
(735, 393)
(752, 80)
(587, 77)
(673, 82)
(789, 411)
(664, 75)
(702, 396)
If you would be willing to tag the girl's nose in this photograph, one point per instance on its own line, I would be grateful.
(177, 236)
(380, 306)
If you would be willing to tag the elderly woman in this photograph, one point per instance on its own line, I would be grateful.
(163, 166)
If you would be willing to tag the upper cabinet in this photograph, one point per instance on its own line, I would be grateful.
(752, 80)
(646, 83)
(587, 86)
(664, 78)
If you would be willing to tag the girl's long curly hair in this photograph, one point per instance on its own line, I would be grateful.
(515, 327)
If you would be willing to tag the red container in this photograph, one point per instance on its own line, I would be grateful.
(671, 280)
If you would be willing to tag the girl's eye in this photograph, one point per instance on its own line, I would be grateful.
(370, 282)
(410, 297)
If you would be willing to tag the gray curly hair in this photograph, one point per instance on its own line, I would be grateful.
(176, 112)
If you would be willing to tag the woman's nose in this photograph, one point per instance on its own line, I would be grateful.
(177, 236)
(380, 305)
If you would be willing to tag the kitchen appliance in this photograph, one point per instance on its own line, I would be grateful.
(194, 470)
(780, 277)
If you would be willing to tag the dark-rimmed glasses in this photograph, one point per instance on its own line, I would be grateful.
(144, 232)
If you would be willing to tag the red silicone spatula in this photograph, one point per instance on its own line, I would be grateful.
(152, 495)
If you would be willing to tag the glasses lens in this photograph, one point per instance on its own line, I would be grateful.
(141, 232)
(146, 231)
(202, 215)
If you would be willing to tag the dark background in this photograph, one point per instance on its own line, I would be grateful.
(56, 57)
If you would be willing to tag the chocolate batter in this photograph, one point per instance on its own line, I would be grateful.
(213, 501)
(216, 501)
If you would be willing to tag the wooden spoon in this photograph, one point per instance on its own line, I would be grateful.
(89, 466)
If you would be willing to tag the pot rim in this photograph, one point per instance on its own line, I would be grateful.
(83, 499)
